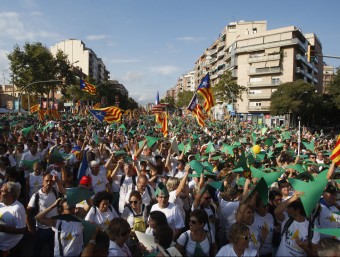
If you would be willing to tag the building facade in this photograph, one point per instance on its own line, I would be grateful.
(83, 58)
(260, 60)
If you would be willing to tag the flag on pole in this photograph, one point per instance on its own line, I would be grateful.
(204, 89)
(196, 110)
(157, 98)
(110, 114)
(335, 157)
(83, 166)
(55, 115)
(87, 87)
(34, 108)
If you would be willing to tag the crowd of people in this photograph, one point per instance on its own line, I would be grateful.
(77, 187)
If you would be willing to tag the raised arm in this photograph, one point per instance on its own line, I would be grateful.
(42, 216)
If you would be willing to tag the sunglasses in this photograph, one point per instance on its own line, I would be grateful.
(193, 221)
(246, 238)
(125, 233)
(131, 202)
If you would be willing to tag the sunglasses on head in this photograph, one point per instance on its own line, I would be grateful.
(246, 238)
(123, 234)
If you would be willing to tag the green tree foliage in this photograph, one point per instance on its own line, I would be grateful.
(334, 89)
(292, 97)
(184, 98)
(31, 64)
(227, 90)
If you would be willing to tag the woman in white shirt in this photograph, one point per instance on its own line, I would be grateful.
(102, 211)
(135, 212)
(196, 241)
(239, 237)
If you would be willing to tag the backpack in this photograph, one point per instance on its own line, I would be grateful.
(138, 220)
(310, 225)
(36, 206)
(122, 179)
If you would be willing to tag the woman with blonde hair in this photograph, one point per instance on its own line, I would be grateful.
(239, 238)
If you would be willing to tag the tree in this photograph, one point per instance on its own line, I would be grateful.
(297, 98)
(32, 63)
(334, 89)
(227, 90)
(184, 98)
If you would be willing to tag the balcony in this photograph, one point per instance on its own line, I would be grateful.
(259, 47)
(300, 71)
(303, 59)
(259, 96)
(261, 71)
(263, 84)
(258, 108)
(264, 58)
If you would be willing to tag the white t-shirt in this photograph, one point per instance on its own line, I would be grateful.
(126, 186)
(228, 250)
(29, 157)
(117, 251)
(268, 222)
(227, 213)
(288, 246)
(13, 215)
(36, 182)
(177, 201)
(71, 238)
(99, 182)
(45, 201)
(328, 219)
(101, 218)
(173, 215)
(191, 245)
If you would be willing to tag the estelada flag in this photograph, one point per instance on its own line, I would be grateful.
(34, 108)
(335, 157)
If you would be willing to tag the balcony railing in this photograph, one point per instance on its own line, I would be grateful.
(288, 42)
(263, 84)
(271, 57)
(259, 96)
(258, 108)
(304, 60)
(264, 71)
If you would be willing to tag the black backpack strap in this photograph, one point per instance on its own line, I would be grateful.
(59, 239)
(133, 213)
(212, 209)
(36, 201)
(134, 180)
(286, 226)
(311, 225)
(122, 179)
(149, 192)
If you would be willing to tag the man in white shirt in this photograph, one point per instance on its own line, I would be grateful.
(171, 211)
(99, 179)
(12, 217)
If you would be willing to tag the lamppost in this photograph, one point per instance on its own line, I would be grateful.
(27, 86)
(299, 125)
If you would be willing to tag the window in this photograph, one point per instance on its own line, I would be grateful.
(254, 30)
(275, 80)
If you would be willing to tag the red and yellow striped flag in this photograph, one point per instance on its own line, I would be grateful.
(162, 119)
(335, 157)
(41, 113)
(197, 112)
(34, 108)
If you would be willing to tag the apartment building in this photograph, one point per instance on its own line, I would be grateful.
(260, 60)
(328, 74)
(83, 58)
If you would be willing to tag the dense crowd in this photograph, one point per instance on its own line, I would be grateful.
(76, 187)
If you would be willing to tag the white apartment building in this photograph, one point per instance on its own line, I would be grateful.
(83, 58)
(261, 60)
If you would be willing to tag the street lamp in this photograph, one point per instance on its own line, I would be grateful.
(299, 126)
(27, 86)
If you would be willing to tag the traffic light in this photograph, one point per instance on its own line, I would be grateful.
(311, 53)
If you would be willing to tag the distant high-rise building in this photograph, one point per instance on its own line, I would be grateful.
(328, 74)
(83, 58)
